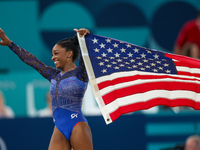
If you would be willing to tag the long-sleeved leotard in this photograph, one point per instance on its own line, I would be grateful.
(67, 90)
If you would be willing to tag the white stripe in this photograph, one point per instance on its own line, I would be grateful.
(144, 97)
(190, 70)
(111, 88)
(132, 73)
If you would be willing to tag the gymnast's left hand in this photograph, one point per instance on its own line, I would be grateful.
(82, 32)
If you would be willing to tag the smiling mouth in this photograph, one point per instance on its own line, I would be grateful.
(55, 62)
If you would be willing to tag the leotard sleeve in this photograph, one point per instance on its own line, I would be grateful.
(46, 71)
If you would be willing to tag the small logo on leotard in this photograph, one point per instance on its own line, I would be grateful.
(74, 115)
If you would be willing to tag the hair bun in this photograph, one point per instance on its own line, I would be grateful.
(74, 40)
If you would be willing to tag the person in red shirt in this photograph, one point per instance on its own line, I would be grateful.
(188, 40)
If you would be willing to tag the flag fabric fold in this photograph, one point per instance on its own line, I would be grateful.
(125, 77)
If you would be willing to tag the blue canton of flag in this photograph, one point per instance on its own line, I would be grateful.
(110, 55)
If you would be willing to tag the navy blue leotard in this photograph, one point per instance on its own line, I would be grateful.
(67, 90)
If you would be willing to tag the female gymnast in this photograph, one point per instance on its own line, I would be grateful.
(68, 85)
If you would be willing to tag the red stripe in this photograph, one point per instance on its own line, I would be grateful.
(158, 101)
(138, 77)
(141, 88)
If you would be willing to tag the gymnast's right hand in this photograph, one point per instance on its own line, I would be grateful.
(5, 41)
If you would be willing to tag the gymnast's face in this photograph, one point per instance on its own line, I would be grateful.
(60, 56)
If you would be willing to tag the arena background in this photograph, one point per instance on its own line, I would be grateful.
(37, 25)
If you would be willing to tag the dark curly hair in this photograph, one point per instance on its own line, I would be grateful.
(70, 45)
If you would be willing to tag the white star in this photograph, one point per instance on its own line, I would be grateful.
(125, 57)
(116, 67)
(168, 71)
(152, 64)
(140, 64)
(155, 70)
(121, 65)
(116, 55)
(119, 60)
(108, 66)
(128, 45)
(115, 45)
(108, 40)
(161, 68)
(145, 60)
(166, 65)
(143, 55)
(156, 56)
(136, 50)
(127, 63)
(96, 50)
(147, 66)
(98, 57)
(104, 70)
(130, 54)
(106, 60)
(159, 62)
(109, 50)
(134, 66)
(142, 68)
(149, 52)
(103, 55)
(132, 60)
(112, 57)
(129, 67)
(101, 63)
(95, 40)
(113, 62)
(123, 50)
(102, 45)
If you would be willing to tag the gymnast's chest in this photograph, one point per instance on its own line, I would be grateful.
(70, 86)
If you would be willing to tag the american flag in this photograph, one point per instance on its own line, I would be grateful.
(127, 78)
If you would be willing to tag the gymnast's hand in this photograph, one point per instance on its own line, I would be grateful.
(5, 41)
(82, 32)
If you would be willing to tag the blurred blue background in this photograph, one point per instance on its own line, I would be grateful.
(36, 25)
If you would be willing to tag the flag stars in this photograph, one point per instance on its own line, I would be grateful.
(147, 66)
(123, 50)
(95, 40)
(115, 45)
(109, 50)
(156, 56)
(116, 68)
(139, 64)
(96, 50)
(117, 55)
(101, 63)
(155, 70)
(132, 60)
(143, 55)
(166, 65)
(148, 52)
(98, 57)
(168, 71)
(153, 64)
(121, 65)
(142, 69)
(102, 45)
(114, 62)
(106, 60)
(109, 66)
(108, 40)
(119, 60)
(103, 55)
(128, 45)
(136, 50)
(134, 66)
(130, 54)
(104, 70)
(145, 60)
(161, 68)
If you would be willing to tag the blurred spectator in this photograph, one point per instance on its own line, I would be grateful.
(5, 111)
(47, 111)
(188, 40)
(192, 143)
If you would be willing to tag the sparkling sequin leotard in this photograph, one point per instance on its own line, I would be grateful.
(67, 90)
